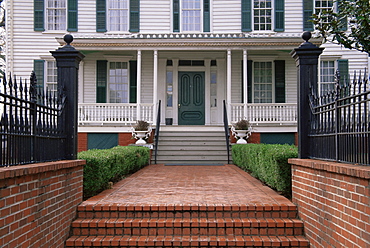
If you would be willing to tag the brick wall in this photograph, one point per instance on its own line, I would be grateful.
(38, 203)
(333, 201)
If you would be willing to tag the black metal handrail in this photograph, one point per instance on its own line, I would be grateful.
(156, 134)
(227, 132)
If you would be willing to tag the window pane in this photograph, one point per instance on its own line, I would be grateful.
(56, 14)
(327, 71)
(118, 15)
(262, 15)
(118, 82)
(262, 87)
(51, 76)
(191, 15)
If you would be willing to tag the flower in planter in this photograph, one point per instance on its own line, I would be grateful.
(241, 130)
(141, 131)
(141, 126)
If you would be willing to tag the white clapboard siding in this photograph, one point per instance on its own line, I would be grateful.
(226, 16)
(147, 62)
(155, 16)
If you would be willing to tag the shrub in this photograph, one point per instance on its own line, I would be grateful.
(268, 163)
(110, 165)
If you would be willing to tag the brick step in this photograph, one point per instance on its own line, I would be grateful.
(197, 226)
(187, 241)
(186, 211)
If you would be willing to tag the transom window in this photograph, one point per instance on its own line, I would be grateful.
(262, 15)
(191, 15)
(327, 72)
(118, 15)
(262, 82)
(118, 82)
(56, 12)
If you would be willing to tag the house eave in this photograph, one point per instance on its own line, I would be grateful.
(188, 42)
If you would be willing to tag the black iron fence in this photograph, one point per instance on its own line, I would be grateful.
(340, 122)
(31, 127)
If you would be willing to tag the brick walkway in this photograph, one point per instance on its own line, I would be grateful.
(189, 185)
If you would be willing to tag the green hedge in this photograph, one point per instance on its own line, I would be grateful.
(110, 165)
(268, 163)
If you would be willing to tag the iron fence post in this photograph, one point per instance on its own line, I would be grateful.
(306, 57)
(68, 60)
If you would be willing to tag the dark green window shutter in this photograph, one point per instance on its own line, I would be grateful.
(343, 71)
(344, 21)
(176, 16)
(72, 15)
(280, 81)
(38, 68)
(279, 16)
(206, 16)
(133, 81)
(307, 14)
(249, 79)
(101, 81)
(101, 25)
(38, 15)
(246, 15)
(134, 15)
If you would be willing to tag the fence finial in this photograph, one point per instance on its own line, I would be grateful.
(306, 36)
(68, 39)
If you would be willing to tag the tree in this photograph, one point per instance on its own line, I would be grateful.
(333, 25)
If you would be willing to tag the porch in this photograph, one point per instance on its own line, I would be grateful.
(127, 114)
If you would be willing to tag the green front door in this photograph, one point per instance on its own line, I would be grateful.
(191, 98)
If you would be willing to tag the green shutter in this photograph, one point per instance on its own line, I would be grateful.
(176, 16)
(206, 16)
(101, 16)
(280, 81)
(38, 15)
(249, 79)
(72, 15)
(279, 15)
(134, 15)
(344, 21)
(307, 14)
(38, 68)
(246, 15)
(343, 71)
(101, 81)
(133, 81)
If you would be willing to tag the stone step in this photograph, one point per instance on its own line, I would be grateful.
(188, 226)
(187, 241)
(187, 211)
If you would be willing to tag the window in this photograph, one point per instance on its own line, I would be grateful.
(118, 13)
(214, 87)
(317, 7)
(322, 5)
(262, 15)
(118, 82)
(55, 15)
(46, 74)
(169, 85)
(327, 72)
(262, 78)
(191, 15)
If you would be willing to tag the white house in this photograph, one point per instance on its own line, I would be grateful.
(190, 54)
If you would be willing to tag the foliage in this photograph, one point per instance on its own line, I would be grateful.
(242, 125)
(332, 24)
(268, 163)
(141, 126)
(110, 165)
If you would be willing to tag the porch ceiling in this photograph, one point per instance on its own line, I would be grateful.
(187, 41)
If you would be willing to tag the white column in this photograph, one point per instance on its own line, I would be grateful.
(245, 81)
(138, 88)
(228, 83)
(155, 85)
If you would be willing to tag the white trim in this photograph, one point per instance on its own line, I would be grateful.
(138, 86)
(117, 58)
(245, 79)
(155, 82)
(228, 80)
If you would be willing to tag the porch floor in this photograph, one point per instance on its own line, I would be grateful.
(189, 185)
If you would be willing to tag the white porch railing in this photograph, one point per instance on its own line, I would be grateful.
(113, 113)
(279, 113)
